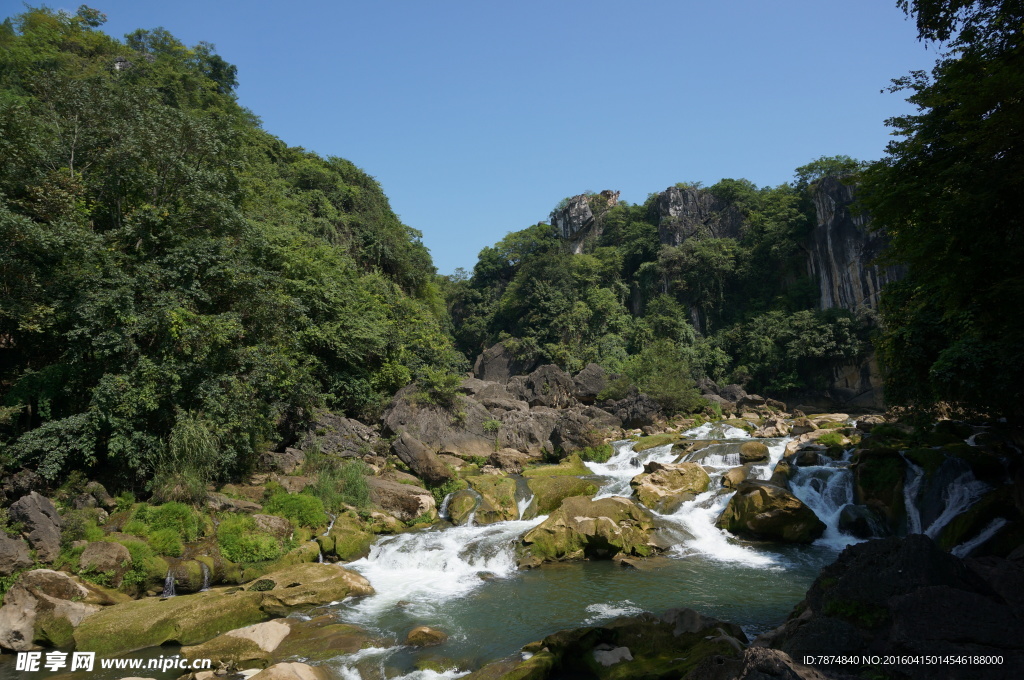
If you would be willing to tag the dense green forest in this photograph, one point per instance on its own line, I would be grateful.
(178, 286)
(739, 309)
(180, 289)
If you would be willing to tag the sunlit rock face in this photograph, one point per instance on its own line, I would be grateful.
(690, 212)
(842, 251)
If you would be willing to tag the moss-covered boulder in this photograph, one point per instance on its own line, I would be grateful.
(349, 539)
(753, 452)
(43, 607)
(644, 646)
(572, 465)
(497, 498)
(549, 492)
(664, 488)
(263, 644)
(761, 510)
(583, 528)
(191, 619)
(878, 476)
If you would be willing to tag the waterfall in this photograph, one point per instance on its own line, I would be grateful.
(206, 577)
(959, 495)
(424, 569)
(911, 488)
(443, 511)
(933, 501)
(169, 584)
(965, 548)
(330, 525)
(827, 489)
(524, 505)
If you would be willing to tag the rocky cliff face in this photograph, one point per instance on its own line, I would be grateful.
(683, 213)
(576, 221)
(841, 255)
(842, 251)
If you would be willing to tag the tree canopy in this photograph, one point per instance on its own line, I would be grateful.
(169, 266)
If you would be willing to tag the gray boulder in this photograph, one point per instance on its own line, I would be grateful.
(42, 524)
(498, 364)
(589, 383)
(339, 436)
(13, 555)
(421, 460)
(547, 386)
(404, 501)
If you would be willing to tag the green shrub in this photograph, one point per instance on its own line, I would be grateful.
(451, 486)
(176, 516)
(438, 387)
(166, 542)
(597, 454)
(125, 501)
(492, 426)
(240, 541)
(831, 440)
(304, 509)
(336, 482)
(136, 528)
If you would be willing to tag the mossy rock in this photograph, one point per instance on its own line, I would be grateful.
(761, 510)
(498, 498)
(267, 643)
(653, 440)
(572, 466)
(461, 505)
(191, 619)
(753, 452)
(666, 487)
(349, 539)
(584, 528)
(878, 480)
(549, 492)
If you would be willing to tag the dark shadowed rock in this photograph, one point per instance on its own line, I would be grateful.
(636, 410)
(339, 436)
(458, 430)
(498, 364)
(589, 383)
(420, 459)
(286, 462)
(42, 524)
(13, 555)
(547, 386)
(685, 213)
(905, 596)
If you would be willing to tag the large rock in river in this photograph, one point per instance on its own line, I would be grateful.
(761, 510)
(191, 619)
(43, 607)
(404, 501)
(664, 487)
(583, 528)
(907, 598)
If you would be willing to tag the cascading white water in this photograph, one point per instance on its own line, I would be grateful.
(827, 489)
(911, 488)
(206, 577)
(169, 584)
(965, 548)
(524, 504)
(424, 568)
(959, 495)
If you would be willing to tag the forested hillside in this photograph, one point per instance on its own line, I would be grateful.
(177, 286)
(695, 282)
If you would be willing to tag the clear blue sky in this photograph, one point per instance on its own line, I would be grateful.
(477, 117)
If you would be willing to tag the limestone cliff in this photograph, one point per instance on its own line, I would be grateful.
(577, 222)
(842, 251)
(842, 254)
(688, 212)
